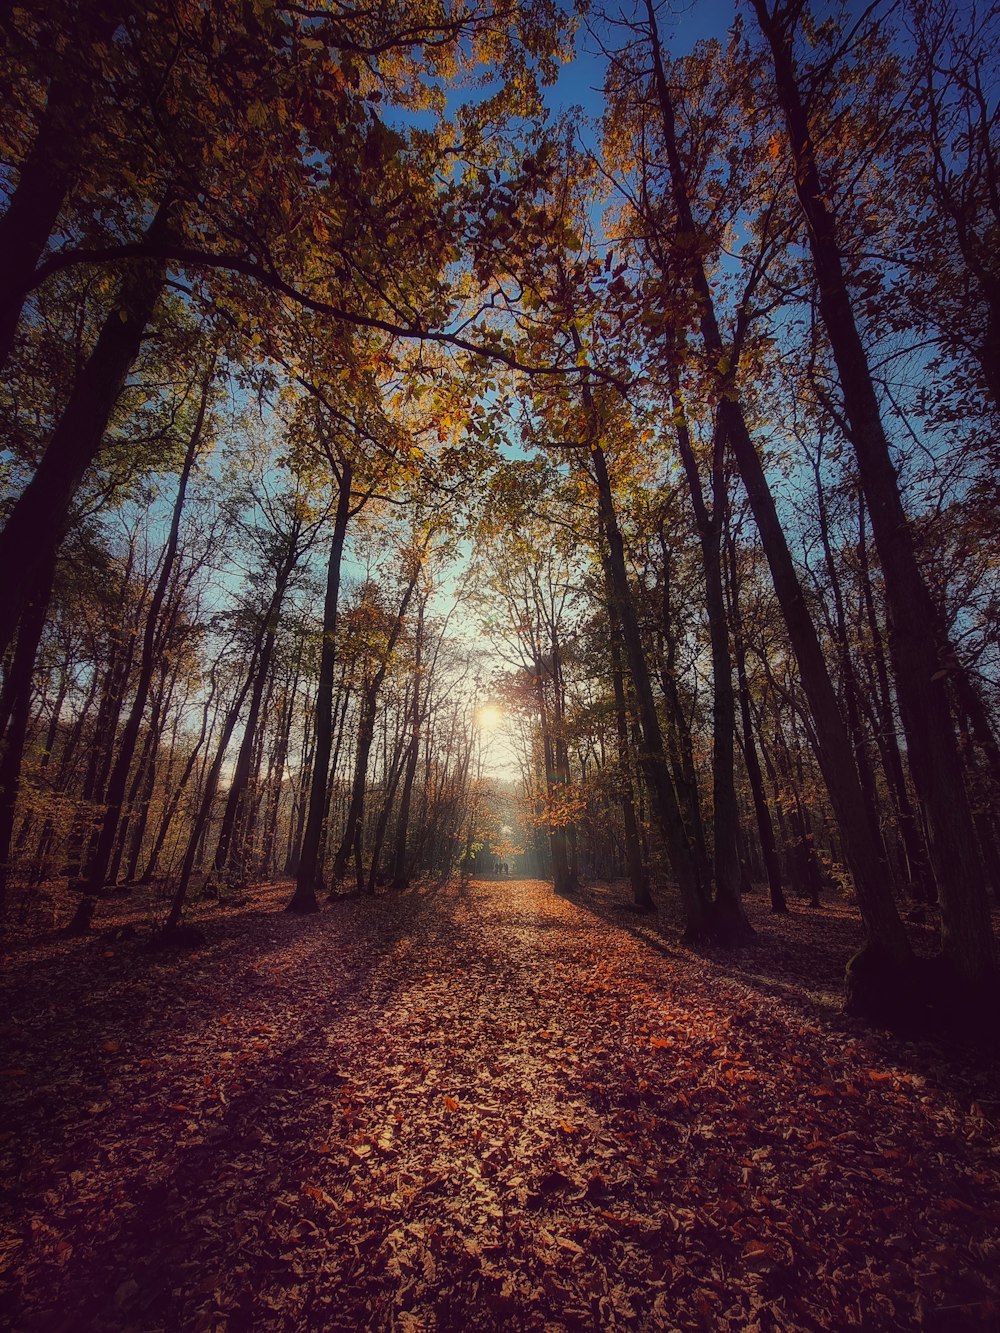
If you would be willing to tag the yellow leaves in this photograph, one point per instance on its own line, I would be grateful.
(257, 115)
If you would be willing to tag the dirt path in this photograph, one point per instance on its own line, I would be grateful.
(472, 1108)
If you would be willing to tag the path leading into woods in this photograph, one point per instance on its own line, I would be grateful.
(472, 1108)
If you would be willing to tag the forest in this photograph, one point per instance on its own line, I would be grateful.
(500, 641)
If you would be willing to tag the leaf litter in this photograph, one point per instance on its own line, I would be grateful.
(479, 1106)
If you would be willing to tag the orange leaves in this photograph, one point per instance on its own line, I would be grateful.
(567, 1128)
(318, 1195)
(451, 1103)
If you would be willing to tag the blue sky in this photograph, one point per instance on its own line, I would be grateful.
(681, 27)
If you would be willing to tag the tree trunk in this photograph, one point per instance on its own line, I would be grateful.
(885, 929)
(919, 871)
(207, 798)
(227, 848)
(49, 169)
(921, 684)
(765, 826)
(354, 829)
(308, 871)
(118, 779)
(651, 757)
(638, 877)
(382, 823)
(32, 532)
(730, 919)
(400, 877)
(175, 797)
(17, 688)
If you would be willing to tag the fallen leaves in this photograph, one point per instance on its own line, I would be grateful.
(483, 1110)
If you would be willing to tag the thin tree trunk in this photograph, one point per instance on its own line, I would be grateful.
(914, 847)
(118, 780)
(195, 841)
(400, 877)
(354, 829)
(175, 797)
(382, 823)
(638, 877)
(765, 827)
(309, 867)
(651, 756)
(227, 848)
(730, 918)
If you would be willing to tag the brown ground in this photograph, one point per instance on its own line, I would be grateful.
(481, 1107)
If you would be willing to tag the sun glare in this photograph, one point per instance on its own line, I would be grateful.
(488, 717)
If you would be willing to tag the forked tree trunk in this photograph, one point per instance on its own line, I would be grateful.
(204, 813)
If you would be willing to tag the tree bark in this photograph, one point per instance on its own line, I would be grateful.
(32, 532)
(400, 876)
(835, 750)
(309, 870)
(651, 756)
(354, 828)
(118, 779)
(730, 919)
(227, 847)
(50, 168)
(17, 688)
(638, 877)
(209, 790)
(765, 825)
(921, 684)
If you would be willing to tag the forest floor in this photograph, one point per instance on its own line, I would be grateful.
(481, 1107)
